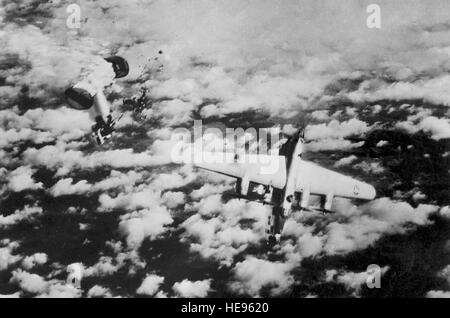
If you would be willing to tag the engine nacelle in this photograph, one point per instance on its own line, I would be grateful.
(304, 203)
(328, 202)
(261, 190)
(243, 185)
(288, 205)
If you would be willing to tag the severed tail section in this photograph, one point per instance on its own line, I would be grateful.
(102, 131)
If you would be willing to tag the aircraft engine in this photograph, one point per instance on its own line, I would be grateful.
(304, 203)
(288, 205)
(243, 185)
(261, 190)
(328, 202)
(296, 202)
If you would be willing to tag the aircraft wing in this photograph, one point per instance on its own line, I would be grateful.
(262, 169)
(321, 181)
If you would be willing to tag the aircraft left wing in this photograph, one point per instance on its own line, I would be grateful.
(263, 169)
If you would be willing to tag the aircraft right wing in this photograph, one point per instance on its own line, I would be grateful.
(321, 181)
(263, 169)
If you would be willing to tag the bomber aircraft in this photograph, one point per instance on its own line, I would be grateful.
(288, 188)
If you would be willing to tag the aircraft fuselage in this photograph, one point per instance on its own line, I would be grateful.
(291, 178)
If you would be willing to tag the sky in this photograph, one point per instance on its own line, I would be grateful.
(375, 102)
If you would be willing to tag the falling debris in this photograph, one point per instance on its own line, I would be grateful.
(139, 104)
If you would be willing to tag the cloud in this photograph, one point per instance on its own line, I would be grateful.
(249, 65)
(15, 295)
(445, 273)
(99, 292)
(321, 115)
(150, 285)
(351, 280)
(66, 187)
(104, 267)
(148, 195)
(145, 198)
(307, 243)
(208, 190)
(382, 143)
(116, 180)
(124, 258)
(13, 136)
(30, 283)
(332, 144)
(149, 217)
(6, 254)
(173, 112)
(216, 232)
(21, 179)
(57, 289)
(445, 212)
(345, 161)
(192, 289)
(144, 224)
(430, 90)
(173, 199)
(65, 161)
(35, 284)
(370, 168)
(27, 213)
(42, 125)
(351, 228)
(63, 123)
(366, 224)
(175, 179)
(209, 205)
(438, 294)
(119, 180)
(336, 129)
(439, 128)
(252, 274)
(36, 259)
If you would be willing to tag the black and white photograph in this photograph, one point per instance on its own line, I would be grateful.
(238, 150)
